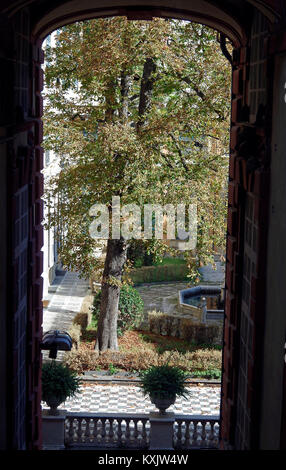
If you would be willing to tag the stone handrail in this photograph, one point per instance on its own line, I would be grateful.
(140, 431)
(115, 430)
(196, 432)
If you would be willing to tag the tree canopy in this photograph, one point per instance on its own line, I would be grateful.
(138, 110)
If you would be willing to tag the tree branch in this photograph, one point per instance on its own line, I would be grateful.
(183, 161)
(199, 93)
(125, 85)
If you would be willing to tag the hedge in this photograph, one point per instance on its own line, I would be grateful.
(148, 274)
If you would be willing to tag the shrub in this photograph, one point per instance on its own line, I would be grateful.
(194, 362)
(138, 354)
(164, 381)
(200, 333)
(164, 324)
(82, 319)
(138, 253)
(130, 308)
(58, 381)
(208, 374)
(184, 328)
(81, 360)
(159, 273)
(138, 263)
(75, 334)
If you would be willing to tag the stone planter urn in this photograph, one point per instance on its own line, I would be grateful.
(58, 384)
(163, 403)
(53, 402)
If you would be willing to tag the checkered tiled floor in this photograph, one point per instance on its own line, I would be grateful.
(96, 398)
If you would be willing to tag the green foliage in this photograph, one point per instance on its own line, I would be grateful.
(112, 370)
(139, 254)
(164, 381)
(167, 145)
(171, 261)
(207, 374)
(130, 308)
(159, 273)
(96, 306)
(58, 381)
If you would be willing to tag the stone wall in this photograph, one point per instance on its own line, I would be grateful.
(194, 313)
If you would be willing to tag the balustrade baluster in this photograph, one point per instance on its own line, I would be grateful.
(216, 433)
(195, 433)
(135, 421)
(111, 430)
(87, 430)
(71, 431)
(103, 430)
(203, 433)
(79, 430)
(179, 433)
(97, 430)
(127, 432)
(188, 434)
(144, 432)
(212, 433)
(119, 420)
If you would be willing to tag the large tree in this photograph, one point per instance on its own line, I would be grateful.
(138, 110)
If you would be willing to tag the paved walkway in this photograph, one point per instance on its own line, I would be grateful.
(95, 398)
(164, 296)
(64, 304)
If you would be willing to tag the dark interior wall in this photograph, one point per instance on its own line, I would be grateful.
(6, 117)
(275, 330)
(3, 298)
(21, 233)
(253, 279)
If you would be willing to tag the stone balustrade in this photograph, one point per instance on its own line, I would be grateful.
(196, 432)
(115, 430)
(130, 431)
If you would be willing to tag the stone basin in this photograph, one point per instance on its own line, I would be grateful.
(201, 301)
(195, 295)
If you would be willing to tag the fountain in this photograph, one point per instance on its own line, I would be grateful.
(196, 314)
(202, 303)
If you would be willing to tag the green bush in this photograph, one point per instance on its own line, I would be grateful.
(159, 273)
(164, 382)
(200, 333)
(58, 381)
(207, 374)
(138, 253)
(138, 263)
(130, 308)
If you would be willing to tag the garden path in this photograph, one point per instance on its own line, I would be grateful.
(64, 303)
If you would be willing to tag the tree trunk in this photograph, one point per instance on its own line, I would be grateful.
(125, 86)
(146, 90)
(110, 291)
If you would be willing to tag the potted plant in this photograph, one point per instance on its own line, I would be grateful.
(58, 383)
(163, 384)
